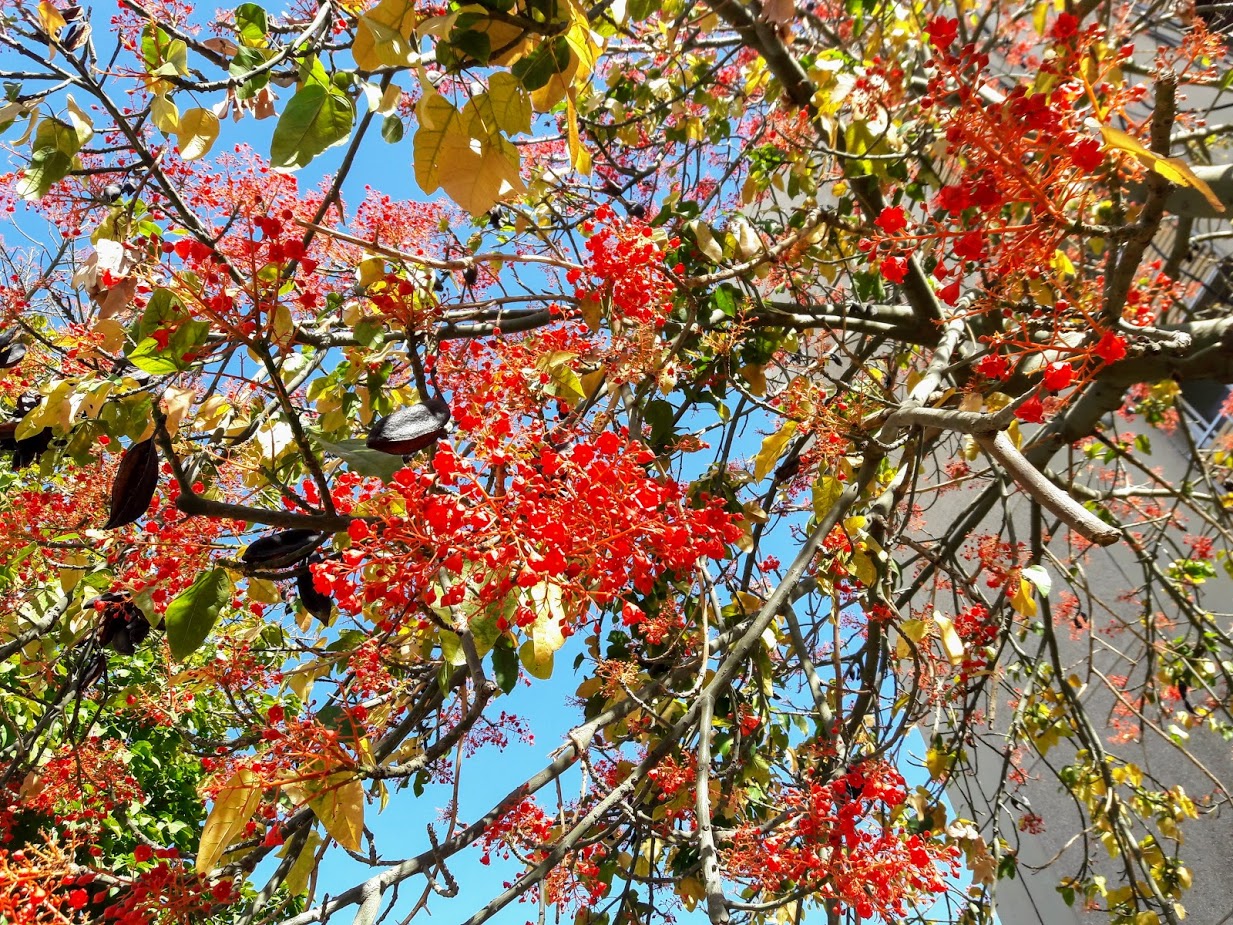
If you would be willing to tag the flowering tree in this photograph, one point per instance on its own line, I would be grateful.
(775, 371)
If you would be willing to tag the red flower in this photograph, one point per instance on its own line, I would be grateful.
(1058, 376)
(1087, 154)
(1066, 25)
(78, 898)
(632, 615)
(950, 294)
(892, 220)
(1111, 347)
(1031, 411)
(894, 269)
(970, 247)
(993, 366)
(142, 853)
(942, 32)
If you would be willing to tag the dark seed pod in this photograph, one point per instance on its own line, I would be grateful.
(283, 548)
(11, 355)
(29, 451)
(409, 430)
(315, 602)
(133, 489)
(122, 625)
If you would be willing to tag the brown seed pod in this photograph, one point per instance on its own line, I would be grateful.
(133, 489)
(122, 625)
(315, 602)
(283, 548)
(409, 430)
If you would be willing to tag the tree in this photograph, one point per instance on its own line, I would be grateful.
(665, 387)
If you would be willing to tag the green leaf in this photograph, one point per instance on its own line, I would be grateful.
(540, 66)
(149, 357)
(251, 25)
(314, 120)
(192, 615)
(157, 361)
(392, 129)
(47, 167)
(359, 458)
(505, 667)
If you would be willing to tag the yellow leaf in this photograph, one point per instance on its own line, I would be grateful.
(442, 133)
(385, 36)
(1023, 602)
(339, 805)
(51, 18)
(176, 404)
(579, 157)
(592, 313)
(584, 51)
(861, 565)
(1165, 390)
(371, 270)
(773, 447)
(952, 645)
(165, 115)
(755, 375)
(1172, 169)
(212, 412)
(913, 629)
(454, 150)
(196, 133)
(826, 491)
(545, 635)
(937, 762)
(750, 603)
(509, 103)
(1062, 264)
(234, 806)
(690, 889)
(592, 382)
(296, 880)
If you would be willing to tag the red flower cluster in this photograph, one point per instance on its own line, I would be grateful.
(836, 842)
(590, 522)
(626, 264)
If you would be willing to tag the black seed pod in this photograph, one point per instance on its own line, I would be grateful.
(11, 355)
(133, 489)
(315, 602)
(283, 548)
(409, 430)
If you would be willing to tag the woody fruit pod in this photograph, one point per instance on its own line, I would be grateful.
(133, 489)
(411, 429)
